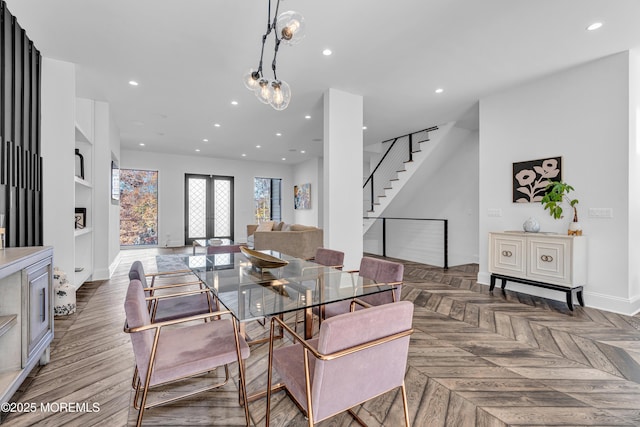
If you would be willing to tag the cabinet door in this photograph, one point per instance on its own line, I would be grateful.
(550, 260)
(38, 279)
(506, 255)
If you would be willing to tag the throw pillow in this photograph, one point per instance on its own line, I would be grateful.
(286, 227)
(265, 226)
(278, 226)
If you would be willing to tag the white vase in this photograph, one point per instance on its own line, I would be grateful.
(575, 229)
(531, 225)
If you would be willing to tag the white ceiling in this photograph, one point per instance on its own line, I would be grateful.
(189, 57)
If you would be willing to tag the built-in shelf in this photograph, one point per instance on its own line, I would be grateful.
(82, 231)
(81, 277)
(81, 135)
(6, 322)
(82, 182)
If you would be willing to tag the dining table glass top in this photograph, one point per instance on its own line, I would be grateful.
(251, 293)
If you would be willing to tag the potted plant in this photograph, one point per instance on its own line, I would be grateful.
(557, 193)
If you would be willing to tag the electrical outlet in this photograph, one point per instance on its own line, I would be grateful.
(600, 213)
(494, 212)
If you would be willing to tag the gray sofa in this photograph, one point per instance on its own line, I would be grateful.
(297, 240)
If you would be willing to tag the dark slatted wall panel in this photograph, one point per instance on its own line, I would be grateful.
(20, 154)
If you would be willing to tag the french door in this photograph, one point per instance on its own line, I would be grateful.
(208, 207)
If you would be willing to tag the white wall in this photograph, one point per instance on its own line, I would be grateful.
(171, 171)
(58, 141)
(445, 187)
(581, 114)
(303, 173)
(634, 175)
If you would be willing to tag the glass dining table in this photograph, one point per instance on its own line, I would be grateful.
(251, 293)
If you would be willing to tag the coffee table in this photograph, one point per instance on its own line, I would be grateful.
(227, 245)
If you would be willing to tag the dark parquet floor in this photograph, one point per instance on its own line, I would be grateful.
(476, 359)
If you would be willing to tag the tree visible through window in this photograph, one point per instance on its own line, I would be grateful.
(267, 197)
(138, 207)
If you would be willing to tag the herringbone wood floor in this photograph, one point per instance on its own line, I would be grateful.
(475, 359)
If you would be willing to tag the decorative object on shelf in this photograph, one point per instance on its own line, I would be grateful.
(64, 302)
(531, 225)
(79, 164)
(557, 192)
(302, 196)
(81, 218)
(530, 178)
(261, 260)
(289, 29)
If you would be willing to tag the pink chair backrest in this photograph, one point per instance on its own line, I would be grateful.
(135, 308)
(344, 382)
(382, 271)
(329, 257)
(136, 272)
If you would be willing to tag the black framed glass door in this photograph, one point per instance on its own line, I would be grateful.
(208, 207)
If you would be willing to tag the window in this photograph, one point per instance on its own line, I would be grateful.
(267, 197)
(138, 207)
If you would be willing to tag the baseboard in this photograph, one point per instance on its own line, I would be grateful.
(114, 265)
(618, 305)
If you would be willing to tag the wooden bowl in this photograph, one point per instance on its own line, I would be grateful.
(262, 260)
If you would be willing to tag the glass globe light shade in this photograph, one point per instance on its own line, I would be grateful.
(251, 79)
(290, 27)
(263, 91)
(281, 95)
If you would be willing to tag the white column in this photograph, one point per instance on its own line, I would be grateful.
(342, 204)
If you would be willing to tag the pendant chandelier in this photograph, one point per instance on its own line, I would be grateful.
(288, 28)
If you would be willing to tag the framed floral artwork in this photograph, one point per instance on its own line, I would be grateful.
(531, 178)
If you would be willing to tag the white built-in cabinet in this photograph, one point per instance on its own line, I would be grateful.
(84, 191)
(26, 314)
(546, 260)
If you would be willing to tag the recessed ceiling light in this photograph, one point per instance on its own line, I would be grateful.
(234, 102)
(142, 144)
(307, 117)
(244, 155)
(594, 26)
(278, 134)
(439, 90)
(257, 146)
(327, 52)
(197, 150)
(205, 140)
(133, 83)
(284, 158)
(302, 151)
(216, 125)
(364, 128)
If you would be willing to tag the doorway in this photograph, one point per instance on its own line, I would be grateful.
(208, 207)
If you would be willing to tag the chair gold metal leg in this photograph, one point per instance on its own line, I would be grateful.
(404, 405)
(242, 380)
(269, 366)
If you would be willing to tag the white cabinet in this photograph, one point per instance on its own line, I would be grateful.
(26, 314)
(551, 261)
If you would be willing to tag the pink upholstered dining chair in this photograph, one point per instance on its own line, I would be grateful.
(357, 356)
(164, 355)
(380, 270)
(188, 303)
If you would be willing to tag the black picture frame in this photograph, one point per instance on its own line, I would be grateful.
(530, 178)
(115, 182)
(80, 218)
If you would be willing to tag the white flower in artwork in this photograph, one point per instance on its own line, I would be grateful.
(533, 182)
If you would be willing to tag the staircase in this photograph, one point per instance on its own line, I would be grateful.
(400, 158)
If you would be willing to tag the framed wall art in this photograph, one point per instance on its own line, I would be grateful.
(302, 196)
(81, 218)
(530, 178)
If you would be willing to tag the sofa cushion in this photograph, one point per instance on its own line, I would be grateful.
(286, 227)
(278, 226)
(300, 227)
(265, 226)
